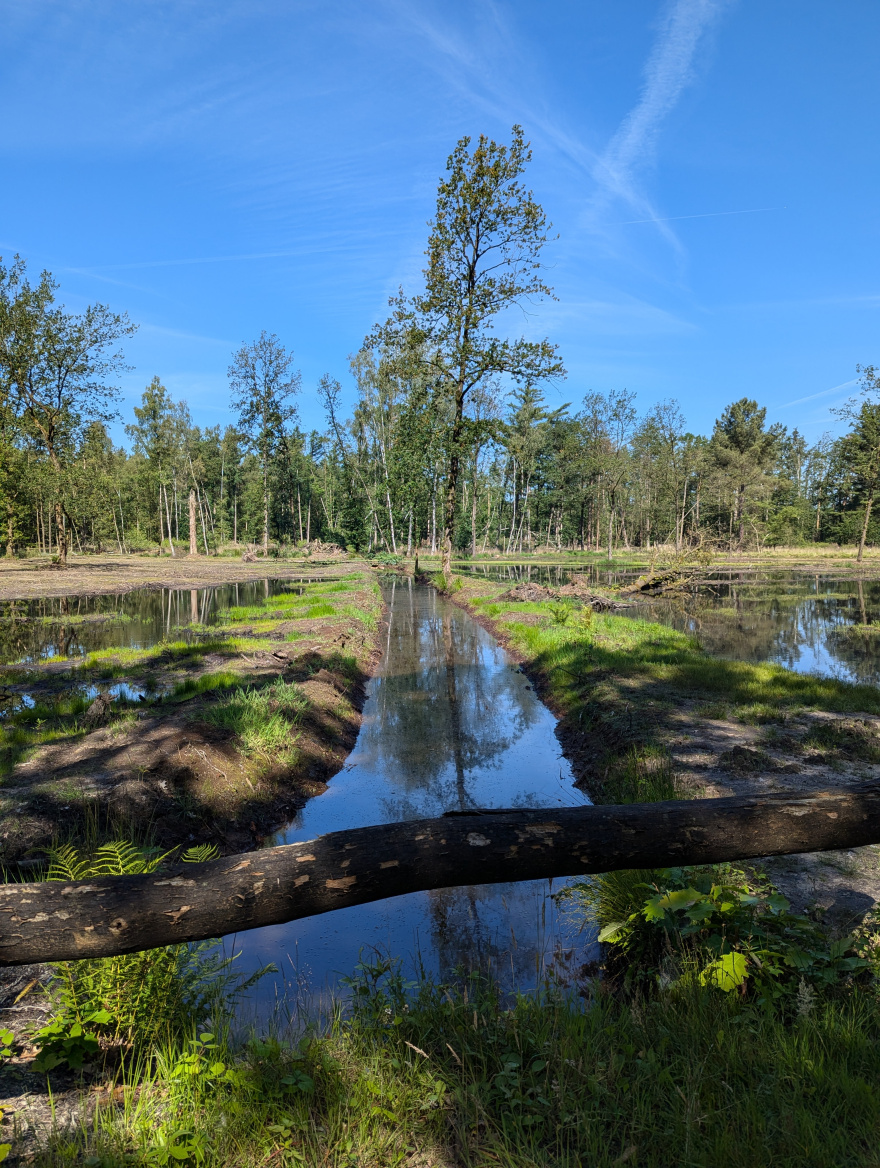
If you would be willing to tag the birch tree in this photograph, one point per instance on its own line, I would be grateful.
(55, 367)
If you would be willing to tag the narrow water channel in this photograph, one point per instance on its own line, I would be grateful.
(450, 723)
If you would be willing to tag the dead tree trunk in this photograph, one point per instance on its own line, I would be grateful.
(123, 914)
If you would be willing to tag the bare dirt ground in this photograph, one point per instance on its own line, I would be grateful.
(166, 770)
(89, 575)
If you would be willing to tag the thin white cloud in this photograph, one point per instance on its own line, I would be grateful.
(669, 70)
(180, 334)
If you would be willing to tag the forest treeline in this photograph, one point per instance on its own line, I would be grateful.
(455, 443)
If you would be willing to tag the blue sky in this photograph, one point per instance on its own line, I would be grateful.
(215, 169)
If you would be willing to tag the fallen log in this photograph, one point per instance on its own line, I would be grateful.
(191, 902)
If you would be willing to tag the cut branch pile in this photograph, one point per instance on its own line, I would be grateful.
(667, 580)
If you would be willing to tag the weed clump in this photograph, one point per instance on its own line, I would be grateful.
(263, 720)
(640, 775)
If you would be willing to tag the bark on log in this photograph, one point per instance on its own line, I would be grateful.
(123, 914)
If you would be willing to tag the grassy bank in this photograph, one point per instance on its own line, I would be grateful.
(823, 557)
(724, 1028)
(217, 735)
(452, 1076)
(619, 682)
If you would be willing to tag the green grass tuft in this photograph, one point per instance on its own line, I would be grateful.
(263, 720)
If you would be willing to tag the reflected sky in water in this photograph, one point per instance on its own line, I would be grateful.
(809, 622)
(449, 724)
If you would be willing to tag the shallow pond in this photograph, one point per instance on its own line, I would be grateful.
(809, 622)
(35, 630)
(450, 723)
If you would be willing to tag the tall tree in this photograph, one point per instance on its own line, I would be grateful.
(483, 258)
(744, 451)
(861, 447)
(54, 367)
(263, 382)
(160, 433)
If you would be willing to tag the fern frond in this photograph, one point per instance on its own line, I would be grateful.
(66, 863)
(200, 854)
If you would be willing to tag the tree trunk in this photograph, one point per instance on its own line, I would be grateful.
(193, 539)
(474, 518)
(868, 507)
(60, 533)
(54, 921)
(452, 484)
(610, 529)
(168, 519)
(265, 511)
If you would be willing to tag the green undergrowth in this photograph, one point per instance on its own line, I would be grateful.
(192, 687)
(662, 661)
(727, 1030)
(49, 720)
(617, 678)
(309, 601)
(455, 1074)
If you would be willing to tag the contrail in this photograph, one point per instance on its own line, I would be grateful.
(705, 215)
(262, 255)
(668, 71)
(824, 393)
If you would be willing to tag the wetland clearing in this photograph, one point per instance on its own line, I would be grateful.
(306, 700)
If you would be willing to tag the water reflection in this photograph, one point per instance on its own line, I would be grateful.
(449, 724)
(808, 622)
(72, 626)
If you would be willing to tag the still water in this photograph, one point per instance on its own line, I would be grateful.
(33, 630)
(450, 723)
(809, 622)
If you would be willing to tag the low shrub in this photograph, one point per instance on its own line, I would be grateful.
(717, 926)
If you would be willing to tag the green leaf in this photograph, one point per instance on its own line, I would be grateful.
(5, 1149)
(798, 959)
(612, 932)
(652, 909)
(701, 911)
(727, 973)
(681, 898)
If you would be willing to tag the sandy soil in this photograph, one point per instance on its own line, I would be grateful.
(90, 575)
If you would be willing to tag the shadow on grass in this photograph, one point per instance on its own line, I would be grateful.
(454, 1075)
(618, 680)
